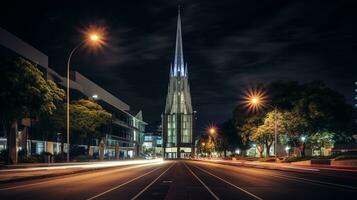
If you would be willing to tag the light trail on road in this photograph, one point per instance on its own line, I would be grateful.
(87, 166)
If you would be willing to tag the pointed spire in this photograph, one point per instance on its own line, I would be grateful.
(186, 72)
(171, 72)
(178, 62)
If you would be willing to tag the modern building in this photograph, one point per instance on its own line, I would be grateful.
(152, 144)
(178, 115)
(123, 138)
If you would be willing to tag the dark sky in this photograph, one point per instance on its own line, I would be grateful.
(229, 46)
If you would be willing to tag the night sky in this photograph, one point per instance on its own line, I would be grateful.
(229, 46)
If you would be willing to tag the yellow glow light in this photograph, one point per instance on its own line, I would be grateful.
(254, 100)
(94, 37)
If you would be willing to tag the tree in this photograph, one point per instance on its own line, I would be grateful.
(312, 107)
(205, 144)
(228, 137)
(247, 129)
(23, 93)
(86, 118)
(264, 135)
(323, 139)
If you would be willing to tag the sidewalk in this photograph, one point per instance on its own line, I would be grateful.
(284, 166)
(23, 172)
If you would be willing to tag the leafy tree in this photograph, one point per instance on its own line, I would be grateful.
(321, 140)
(312, 107)
(295, 126)
(308, 108)
(23, 93)
(86, 119)
(206, 144)
(228, 137)
(264, 135)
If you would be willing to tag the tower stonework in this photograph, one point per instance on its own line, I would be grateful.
(178, 116)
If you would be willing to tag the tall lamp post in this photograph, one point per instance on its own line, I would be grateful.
(255, 102)
(91, 39)
(212, 131)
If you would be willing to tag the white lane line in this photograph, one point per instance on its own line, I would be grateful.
(67, 176)
(121, 185)
(209, 190)
(316, 182)
(229, 183)
(143, 190)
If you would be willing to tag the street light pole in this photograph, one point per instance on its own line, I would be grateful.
(68, 69)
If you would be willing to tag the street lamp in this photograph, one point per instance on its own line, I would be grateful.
(212, 130)
(255, 100)
(95, 96)
(287, 149)
(92, 38)
(303, 139)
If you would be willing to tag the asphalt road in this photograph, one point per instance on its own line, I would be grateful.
(187, 180)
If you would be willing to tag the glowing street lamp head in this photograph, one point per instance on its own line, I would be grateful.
(211, 129)
(254, 100)
(303, 138)
(94, 37)
(95, 96)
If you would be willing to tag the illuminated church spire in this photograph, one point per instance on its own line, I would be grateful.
(178, 116)
(179, 69)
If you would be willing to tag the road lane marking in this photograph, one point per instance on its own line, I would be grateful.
(229, 183)
(143, 190)
(209, 190)
(69, 176)
(121, 185)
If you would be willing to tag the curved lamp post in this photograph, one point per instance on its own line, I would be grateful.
(92, 38)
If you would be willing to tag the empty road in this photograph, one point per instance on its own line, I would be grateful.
(187, 180)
